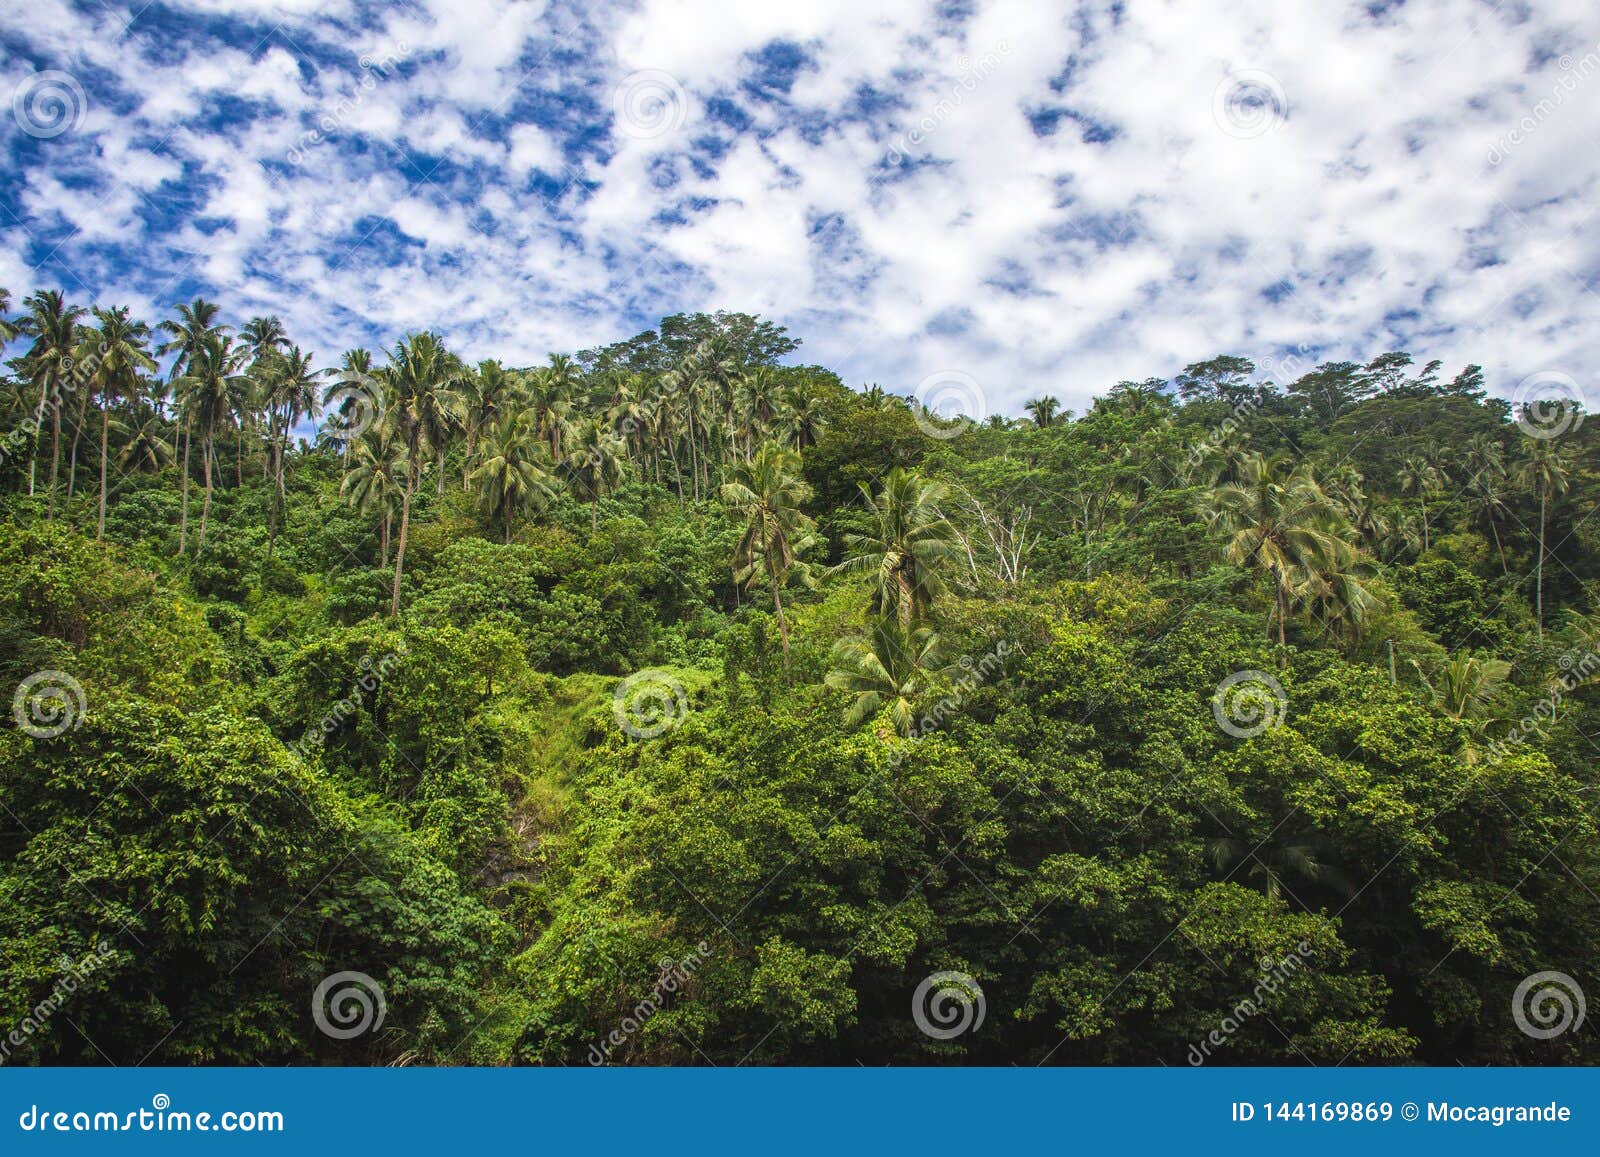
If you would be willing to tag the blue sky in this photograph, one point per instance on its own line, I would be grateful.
(1045, 198)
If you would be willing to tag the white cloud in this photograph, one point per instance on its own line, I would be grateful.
(1430, 177)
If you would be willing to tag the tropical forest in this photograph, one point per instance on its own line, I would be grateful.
(677, 702)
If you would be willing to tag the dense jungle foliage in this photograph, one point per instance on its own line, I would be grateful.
(673, 703)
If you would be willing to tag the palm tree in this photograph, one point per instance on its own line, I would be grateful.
(356, 387)
(552, 400)
(147, 447)
(424, 382)
(375, 479)
(120, 355)
(1284, 526)
(1043, 410)
(7, 329)
(1276, 858)
(509, 472)
(208, 394)
(1545, 471)
(595, 465)
(1486, 460)
(291, 393)
(1467, 688)
(908, 549)
(1421, 477)
(890, 664)
(487, 394)
(1467, 685)
(768, 492)
(263, 336)
(802, 418)
(48, 364)
(194, 322)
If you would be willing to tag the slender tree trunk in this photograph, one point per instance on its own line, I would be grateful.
(105, 437)
(206, 457)
(405, 528)
(1283, 626)
(1538, 596)
(783, 623)
(1495, 530)
(1424, 502)
(55, 456)
(38, 438)
(383, 539)
(77, 432)
(183, 519)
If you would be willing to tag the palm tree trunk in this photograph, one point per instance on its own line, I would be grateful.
(105, 436)
(183, 519)
(1538, 597)
(1495, 530)
(405, 527)
(383, 538)
(55, 455)
(1424, 502)
(206, 456)
(1282, 597)
(783, 623)
(38, 438)
(77, 432)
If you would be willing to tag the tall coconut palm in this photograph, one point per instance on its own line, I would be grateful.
(510, 476)
(487, 394)
(802, 418)
(1486, 464)
(1043, 410)
(376, 478)
(424, 381)
(147, 446)
(208, 394)
(193, 323)
(1421, 477)
(350, 401)
(594, 464)
(553, 391)
(120, 353)
(291, 392)
(262, 336)
(1544, 470)
(908, 549)
(1283, 525)
(889, 665)
(49, 364)
(768, 492)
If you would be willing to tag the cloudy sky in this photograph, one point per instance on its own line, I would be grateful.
(1046, 197)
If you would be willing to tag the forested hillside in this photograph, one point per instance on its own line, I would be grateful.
(674, 703)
